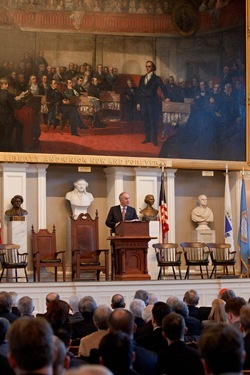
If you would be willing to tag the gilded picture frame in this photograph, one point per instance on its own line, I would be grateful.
(187, 31)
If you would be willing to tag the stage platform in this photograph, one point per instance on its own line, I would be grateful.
(102, 291)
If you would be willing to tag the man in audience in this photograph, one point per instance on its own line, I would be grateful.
(193, 325)
(26, 306)
(143, 295)
(191, 298)
(117, 301)
(245, 327)
(61, 360)
(31, 346)
(222, 350)
(87, 306)
(101, 321)
(116, 353)
(136, 307)
(232, 308)
(148, 328)
(5, 307)
(178, 358)
(154, 341)
(74, 305)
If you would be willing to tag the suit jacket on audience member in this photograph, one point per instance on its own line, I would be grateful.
(146, 362)
(82, 328)
(115, 215)
(247, 349)
(91, 341)
(179, 359)
(153, 341)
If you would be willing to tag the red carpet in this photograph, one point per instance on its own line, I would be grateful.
(115, 138)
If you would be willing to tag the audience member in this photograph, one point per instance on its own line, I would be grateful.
(191, 298)
(61, 360)
(5, 307)
(15, 298)
(101, 321)
(74, 305)
(116, 353)
(178, 358)
(222, 350)
(26, 306)
(193, 324)
(4, 326)
(57, 313)
(152, 299)
(154, 341)
(227, 294)
(245, 328)
(87, 306)
(117, 301)
(217, 314)
(143, 295)
(148, 327)
(89, 370)
(30, 346)
(136, 307)
(232, 308)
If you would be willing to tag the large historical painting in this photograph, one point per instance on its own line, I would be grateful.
(97, 52)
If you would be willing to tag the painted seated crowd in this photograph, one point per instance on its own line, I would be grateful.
(147, 336)
(113, 6)
(218, 103)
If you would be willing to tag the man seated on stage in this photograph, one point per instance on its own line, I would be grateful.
(122, 212)
(57, 103)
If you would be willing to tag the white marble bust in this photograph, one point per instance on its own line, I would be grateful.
(201, 214)
(79, 198)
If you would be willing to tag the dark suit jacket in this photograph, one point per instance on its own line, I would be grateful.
(115, 215)
(247, 349)
(154, 341)
(179, 359)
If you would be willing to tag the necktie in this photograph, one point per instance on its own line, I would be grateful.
(123, 213)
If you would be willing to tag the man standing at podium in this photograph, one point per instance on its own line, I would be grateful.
(122, 212)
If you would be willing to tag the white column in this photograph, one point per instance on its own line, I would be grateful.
(115, 183)
(13, 183)
(41, 195)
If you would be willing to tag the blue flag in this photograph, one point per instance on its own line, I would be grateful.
(243, 237)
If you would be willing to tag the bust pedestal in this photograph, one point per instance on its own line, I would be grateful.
(203, 235)
(17, 232)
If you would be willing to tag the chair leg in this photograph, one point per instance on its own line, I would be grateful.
(1, 274)
(159, 274)
(187, 273)
(212, 272)
(233, 271)
(174, 273)
(207, 272)
(180, 272)
(26, 275)
(16, 274)
(201, 272)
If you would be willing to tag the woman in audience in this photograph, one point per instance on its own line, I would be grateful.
(217, 315)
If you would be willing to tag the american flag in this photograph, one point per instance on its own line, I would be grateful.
(163, 211)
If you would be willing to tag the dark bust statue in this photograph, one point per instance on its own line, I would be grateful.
(16, 210)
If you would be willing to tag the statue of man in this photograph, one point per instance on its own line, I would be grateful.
(16, 210)
(79, 198)
(201, 214)
(149, 211)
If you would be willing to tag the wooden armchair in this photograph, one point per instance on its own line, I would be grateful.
(45, 253)
(196, 254)
(85, 243)
(168, 255)
(12, 259)
(221, 256)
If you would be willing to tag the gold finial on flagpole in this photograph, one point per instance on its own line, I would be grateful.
(243, 171)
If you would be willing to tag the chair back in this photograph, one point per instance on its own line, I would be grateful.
(44, 242)
(84, 237)
(221, 251)
(167, 252)
(195, 251)
(9, 254)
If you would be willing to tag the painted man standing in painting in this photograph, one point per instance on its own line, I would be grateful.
(148, 102)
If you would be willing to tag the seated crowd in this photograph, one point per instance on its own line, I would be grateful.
(148, 337)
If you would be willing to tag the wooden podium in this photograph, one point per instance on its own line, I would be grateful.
(129, 251)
